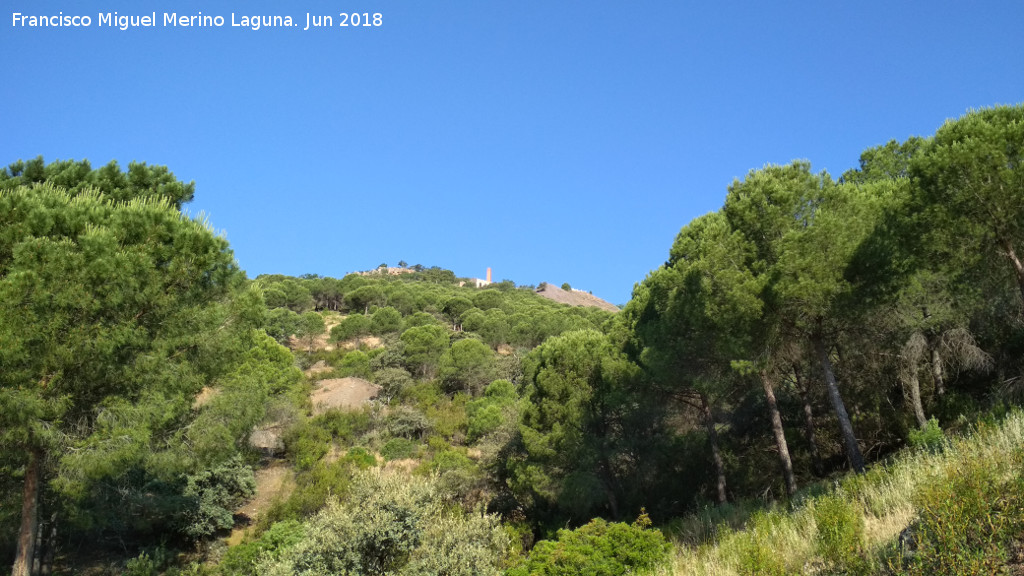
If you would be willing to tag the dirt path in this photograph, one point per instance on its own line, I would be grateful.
(272, 483)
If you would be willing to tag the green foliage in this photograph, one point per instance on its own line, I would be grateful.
(393, 525)
(455, 307)
(360, 458)
(313, 489)
(929, 438)
(566, 287)
(487, 299)
(423, 347)
(840, 539)
(969, 518)
(344, 425)
(287, 293)
(350, 327)
(406, 422)
(398, 448)
(468, 365)
(306, 444)
(113, 317)
(212, 497)
(598, 549)
(76, 177)
(281, 324)
(385, 320)
(421, 319)
(448, 417)
(392, 382)
(576, 387)
(242, 560)
(360, 299)
(487, 414)
(355, 363)
(310, 326)
(150, 562)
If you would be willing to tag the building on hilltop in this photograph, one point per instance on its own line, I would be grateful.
(478, 282)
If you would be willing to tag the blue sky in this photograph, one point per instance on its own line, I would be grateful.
(563, 141)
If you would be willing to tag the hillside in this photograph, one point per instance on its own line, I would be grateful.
(574, 297)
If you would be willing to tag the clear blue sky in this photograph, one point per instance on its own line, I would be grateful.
(563, 141)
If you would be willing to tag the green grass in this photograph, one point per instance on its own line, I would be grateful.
(966, 496)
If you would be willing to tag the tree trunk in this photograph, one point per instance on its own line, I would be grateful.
(780, 434)
(1018, 267)
(608, 480)
(845, 426)
(915, 399)
(716, 455)
(50, 545)
(29, 518)
(937, 372)
(812, 439)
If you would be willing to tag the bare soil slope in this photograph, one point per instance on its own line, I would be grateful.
(575, 298)
(342, 393)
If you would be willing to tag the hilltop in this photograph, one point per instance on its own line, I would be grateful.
(574, 297)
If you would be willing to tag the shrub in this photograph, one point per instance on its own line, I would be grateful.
(241, 560)
(754, 550)
(928, 438)
(448, 417)
(840, 538)
(359, 458)
(968, 518)
(312, 490)
(398, 448)
(344, 425)
(355, 363)
(306, 444)
(392, 382)
(406, 422)
(212, 496)
(385, 320)
(598, 549)
(351, 327)
(393, 524)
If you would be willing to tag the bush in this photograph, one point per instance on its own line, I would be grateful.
(344, 425)
(241, 560)
(393, 525)
(928, 438)
(754, 550)
(398, 448)
(352, 326)
(598, 549)
(312, 490)
(392, 382)
(406, 422)
(385, 320)
(212, 496)
(360, 458)
(969, 517)
(840, 533)
(355, 363)
(306, 444)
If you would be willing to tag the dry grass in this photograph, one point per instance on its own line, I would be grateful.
(711, 544)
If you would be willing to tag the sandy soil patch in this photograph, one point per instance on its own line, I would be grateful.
(319, 368)
(347, 393)
(204, 397)
(370, 342)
